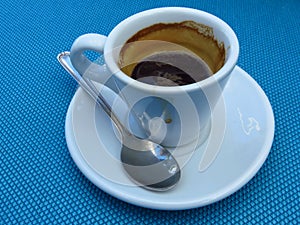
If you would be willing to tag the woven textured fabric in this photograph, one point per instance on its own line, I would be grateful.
(40, 183)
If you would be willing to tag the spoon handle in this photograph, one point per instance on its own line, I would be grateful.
(88, 86)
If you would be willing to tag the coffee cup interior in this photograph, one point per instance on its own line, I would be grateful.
(219, 39)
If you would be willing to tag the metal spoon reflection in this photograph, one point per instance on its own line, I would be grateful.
(148, 164)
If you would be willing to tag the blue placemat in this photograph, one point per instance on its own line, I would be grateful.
(39, 182)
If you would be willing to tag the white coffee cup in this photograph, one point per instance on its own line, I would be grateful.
(174, 116)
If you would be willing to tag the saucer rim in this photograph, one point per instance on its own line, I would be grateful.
(95, 178)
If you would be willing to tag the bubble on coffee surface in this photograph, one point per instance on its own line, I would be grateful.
(171, 68)
(161, 74)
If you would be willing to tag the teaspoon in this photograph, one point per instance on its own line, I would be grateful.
(148, 164)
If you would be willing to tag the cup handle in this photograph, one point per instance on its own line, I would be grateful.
(85, 67)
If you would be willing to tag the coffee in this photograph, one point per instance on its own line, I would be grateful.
(169, 54)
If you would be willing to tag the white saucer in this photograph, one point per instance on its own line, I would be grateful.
(246, 145)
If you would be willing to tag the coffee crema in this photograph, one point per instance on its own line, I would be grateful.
(161, 50)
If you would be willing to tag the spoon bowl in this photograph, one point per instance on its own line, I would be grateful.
(148, 164)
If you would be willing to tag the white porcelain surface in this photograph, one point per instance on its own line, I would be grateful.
(248, 137)
(188, 107)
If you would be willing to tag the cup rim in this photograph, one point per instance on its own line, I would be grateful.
(218, 76)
